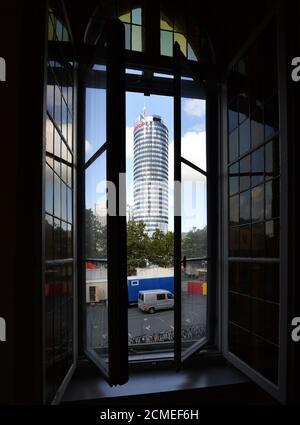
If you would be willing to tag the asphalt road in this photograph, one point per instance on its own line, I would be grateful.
(145, 327)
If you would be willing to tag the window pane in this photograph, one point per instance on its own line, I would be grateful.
(233, 145)
(166, 43)
(137, 16)
(49, 190)
(181, 40)
(234, 210)
(258, 166)
(95, 120)
(258, 240)
(234, 179)
(257, 128)
(136, 38)
(245, 207)
(258, 203)
(245, 137)
(194, 213)
(245, 241)
(193, 303)
(127, 36)
(245, 173)
(232, 116)
(193, 135)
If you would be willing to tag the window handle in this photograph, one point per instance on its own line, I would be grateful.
(184, 262)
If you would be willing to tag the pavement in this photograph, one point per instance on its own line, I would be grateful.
(148, 328)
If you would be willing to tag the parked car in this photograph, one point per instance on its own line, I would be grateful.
(156, 299)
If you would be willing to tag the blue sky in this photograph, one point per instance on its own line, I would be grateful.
(193, 149)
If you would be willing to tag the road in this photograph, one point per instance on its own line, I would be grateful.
(145, 327)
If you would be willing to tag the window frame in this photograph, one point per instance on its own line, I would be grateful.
(279, 391)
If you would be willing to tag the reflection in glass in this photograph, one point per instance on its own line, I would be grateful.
(245, 136)
(97, 310)
(234, 241)
(272, 238)
(245, 173)
(258, 166)
(258, 203)
(245, 241)
(193, 303)
(136, 38)
(258, 240)
(257, 128)
(245, 207)
(233, 145)
(234, 210)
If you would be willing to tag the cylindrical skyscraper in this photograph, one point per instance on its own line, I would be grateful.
(151, 152)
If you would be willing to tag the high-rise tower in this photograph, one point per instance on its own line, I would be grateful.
(151, 151)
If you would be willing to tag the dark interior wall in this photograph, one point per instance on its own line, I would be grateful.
(22, 44)
(9, 25)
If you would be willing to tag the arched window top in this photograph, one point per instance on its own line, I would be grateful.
(177, 24)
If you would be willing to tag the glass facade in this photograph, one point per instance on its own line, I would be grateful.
(254, 207)
(59, 222)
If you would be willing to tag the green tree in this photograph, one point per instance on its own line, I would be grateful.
(194, 243)
(137, 246)
(96, 236)
(161, 248)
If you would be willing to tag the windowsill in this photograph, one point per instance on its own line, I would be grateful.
(90, 387)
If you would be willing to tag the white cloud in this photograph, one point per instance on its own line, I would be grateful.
(194, 107)
(193, 148)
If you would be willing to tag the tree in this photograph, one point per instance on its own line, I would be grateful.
(96, 236)
(137, 246)
(161, 248)
(194, 243)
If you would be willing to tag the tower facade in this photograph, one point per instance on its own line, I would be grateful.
(151, 160)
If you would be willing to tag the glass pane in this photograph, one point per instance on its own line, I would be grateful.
(49, 190)
(191, 54)
(136, 38)
(245, 241)
(258, 240)
(193, 213)
(96, 271)
(137, 16)
(258, 166)
(95, 133)
(257, 128)
(258, 205)
(193, 135)
(193, 304)
(127, 36)
(245, 173)
(245, 137)
(245, 207)
(234, 210)
(232, 116)
(233, 145)
(234, 241)
(234, 179)
(181, 40)
(166, 43)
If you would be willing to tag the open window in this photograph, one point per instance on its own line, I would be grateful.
(191, 218)
(255, 275)
(105, 311)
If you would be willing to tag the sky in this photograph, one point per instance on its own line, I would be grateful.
(193, 149)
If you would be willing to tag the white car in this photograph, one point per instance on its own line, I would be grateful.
(155, 299)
